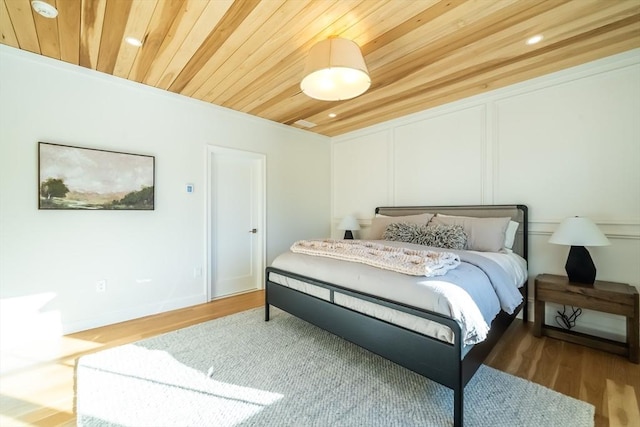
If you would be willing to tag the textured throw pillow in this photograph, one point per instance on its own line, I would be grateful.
(483, 234)
(379, 223)
(444, 236)
(439, 236)
(403, 232)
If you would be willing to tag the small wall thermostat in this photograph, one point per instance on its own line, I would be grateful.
(189, 188)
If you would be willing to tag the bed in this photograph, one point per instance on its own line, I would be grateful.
(428, 341)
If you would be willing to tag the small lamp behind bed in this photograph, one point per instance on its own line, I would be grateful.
(348, 224)
(579, 232)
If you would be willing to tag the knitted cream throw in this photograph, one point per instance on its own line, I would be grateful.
(402, 260)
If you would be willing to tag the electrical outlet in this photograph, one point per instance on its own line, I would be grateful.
(197, 272)
(101, 286)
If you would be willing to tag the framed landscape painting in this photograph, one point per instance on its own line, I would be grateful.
(90, 179)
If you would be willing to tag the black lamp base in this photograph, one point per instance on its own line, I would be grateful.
(348, 235)
(579, 266)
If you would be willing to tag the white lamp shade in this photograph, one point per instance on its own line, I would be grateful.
(349, 223)
(335, 71)
(578, 231)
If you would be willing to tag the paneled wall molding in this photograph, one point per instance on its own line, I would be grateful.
(609, 235)
(620, 229)
(491, 134)
(391, 138)
(486, 183)
(598, 222)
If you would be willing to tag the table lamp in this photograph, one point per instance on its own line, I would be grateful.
(348, 224)
(579, 232)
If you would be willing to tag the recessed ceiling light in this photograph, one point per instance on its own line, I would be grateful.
(133, 41)
(44, 9)
(535, 39)
(332, 115)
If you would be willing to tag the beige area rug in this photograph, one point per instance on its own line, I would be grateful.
(242, 371)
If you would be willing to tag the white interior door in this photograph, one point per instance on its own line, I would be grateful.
(237, 222)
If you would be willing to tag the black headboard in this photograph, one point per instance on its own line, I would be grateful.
(518, 213)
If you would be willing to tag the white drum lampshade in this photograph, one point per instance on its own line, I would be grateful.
(335, 71)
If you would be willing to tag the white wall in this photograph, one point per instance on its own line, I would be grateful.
(50, 260)
(565, 144)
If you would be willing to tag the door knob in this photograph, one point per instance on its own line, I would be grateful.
(253, 230)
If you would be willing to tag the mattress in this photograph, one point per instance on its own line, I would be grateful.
(473, 293)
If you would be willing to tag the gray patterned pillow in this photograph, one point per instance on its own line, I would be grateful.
(439, 236)
(403, 232)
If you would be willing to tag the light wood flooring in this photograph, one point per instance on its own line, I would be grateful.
(41, 393)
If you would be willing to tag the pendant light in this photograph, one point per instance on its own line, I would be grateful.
(335, 71)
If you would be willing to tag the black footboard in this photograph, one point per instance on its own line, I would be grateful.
(424, 355)
(429, 357)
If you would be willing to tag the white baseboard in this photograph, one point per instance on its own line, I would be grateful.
(110, 318)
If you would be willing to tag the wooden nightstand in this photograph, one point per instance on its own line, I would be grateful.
(608, 297)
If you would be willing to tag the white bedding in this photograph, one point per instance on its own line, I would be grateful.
(439, 296)
(512, 263)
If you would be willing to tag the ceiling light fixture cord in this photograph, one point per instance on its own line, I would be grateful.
(567, 321)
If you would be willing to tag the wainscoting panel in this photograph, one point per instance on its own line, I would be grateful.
(440, 159)
(361, 175)
(577, 155)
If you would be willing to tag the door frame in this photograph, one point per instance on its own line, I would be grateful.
(260, 199)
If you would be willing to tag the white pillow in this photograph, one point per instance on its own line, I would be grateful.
(483, 234)
(510, 234)
(379, 223)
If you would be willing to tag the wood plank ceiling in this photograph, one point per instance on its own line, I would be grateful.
(248, 55)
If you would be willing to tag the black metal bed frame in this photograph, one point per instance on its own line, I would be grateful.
(437, 360)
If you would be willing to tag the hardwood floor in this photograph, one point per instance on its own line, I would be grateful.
(41, 391)
(609, 382)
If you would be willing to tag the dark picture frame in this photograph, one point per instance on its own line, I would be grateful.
(80, 178)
